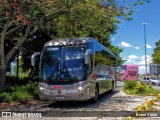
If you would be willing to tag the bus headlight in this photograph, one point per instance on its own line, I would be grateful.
(80, 88)
(42, 88)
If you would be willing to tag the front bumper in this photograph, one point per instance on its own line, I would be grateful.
(73, 95)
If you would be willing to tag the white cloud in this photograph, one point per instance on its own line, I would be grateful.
(125, 44)
(113, 39)
(147, 56)
(137, 48)
(141, 67)
(148, 46)
(132, 57)
(130, 60)
(140, 61)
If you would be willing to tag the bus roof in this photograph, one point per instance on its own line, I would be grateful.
(76, 41)
(100, 45)
(132, 66)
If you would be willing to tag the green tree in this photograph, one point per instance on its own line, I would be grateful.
(156, 53)
(93, 18)
(18, 21)
(61, 18)
(116, 51)
(19, 66)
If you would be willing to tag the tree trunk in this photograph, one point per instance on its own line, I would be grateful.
(2, 56)
(2, 78)
(2, 67)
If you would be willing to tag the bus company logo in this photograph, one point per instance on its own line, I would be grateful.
(59, 91)
(6, 114)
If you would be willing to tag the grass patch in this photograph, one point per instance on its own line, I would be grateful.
(21, 90)
(139, 88)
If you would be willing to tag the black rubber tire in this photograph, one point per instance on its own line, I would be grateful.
(154, 84)
(111, 91)
(95, 99)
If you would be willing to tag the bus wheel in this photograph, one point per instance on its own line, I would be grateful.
(96, 94)
(154, 84)
(111, 91)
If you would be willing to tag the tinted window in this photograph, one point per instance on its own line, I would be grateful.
(63, 64)
(146, 78)
(90, 46)
(74, 62)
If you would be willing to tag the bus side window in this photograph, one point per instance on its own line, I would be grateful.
(90, 67)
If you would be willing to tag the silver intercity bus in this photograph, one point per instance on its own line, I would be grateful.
(71, 69)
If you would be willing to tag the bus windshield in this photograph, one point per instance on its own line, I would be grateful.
(63, 64)
(132, 73)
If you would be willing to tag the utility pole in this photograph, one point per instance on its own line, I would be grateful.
(144, 24)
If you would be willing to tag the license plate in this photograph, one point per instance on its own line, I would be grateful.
(59, 97)
(58, 87)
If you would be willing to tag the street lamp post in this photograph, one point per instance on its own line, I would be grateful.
(144, 24)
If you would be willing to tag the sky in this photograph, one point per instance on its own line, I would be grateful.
(130, 35)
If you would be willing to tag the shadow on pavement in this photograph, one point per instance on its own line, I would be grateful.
(82, 104)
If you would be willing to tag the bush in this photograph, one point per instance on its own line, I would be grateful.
(19, 90)
(32, 88)
(130, 85)
(136, 87)
(10, 88)
(20, 93)
(21, 96)
(150, 86)
(5, 97)
(140, 89)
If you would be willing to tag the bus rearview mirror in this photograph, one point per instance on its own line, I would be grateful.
(87, 57)
(33, 58)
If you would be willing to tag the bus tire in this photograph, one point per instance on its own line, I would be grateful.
(111, 91)
(154, 84)
(96, 93)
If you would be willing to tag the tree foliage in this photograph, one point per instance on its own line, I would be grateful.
(94, 18)
(156, 54)
(20, 19)
(116, 51)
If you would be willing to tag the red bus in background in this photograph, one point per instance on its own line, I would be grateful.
(128, 72)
